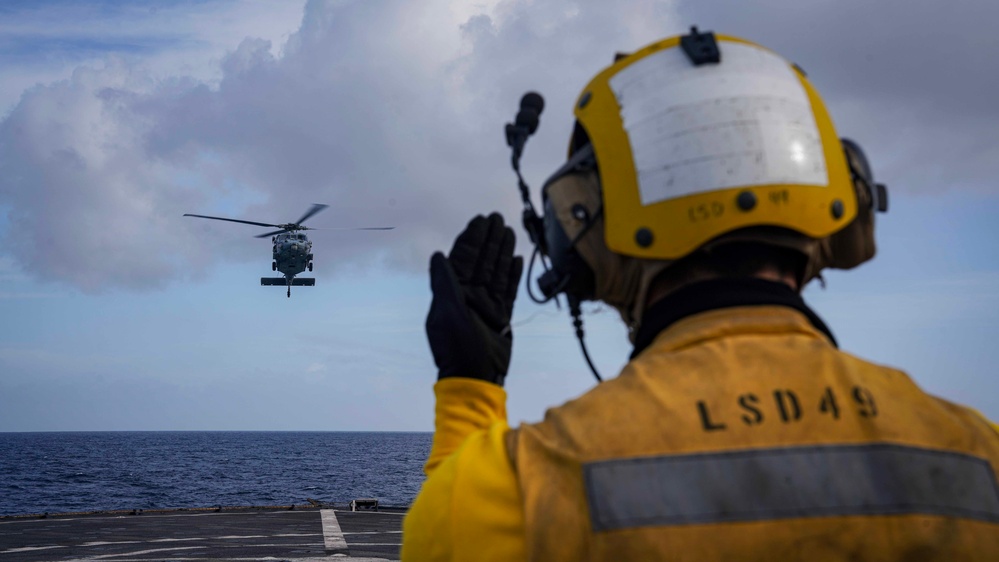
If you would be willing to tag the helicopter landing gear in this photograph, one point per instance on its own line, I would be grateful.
(310, 266)
(273, 266)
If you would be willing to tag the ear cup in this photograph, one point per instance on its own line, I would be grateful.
(855, 244)
(856, 159)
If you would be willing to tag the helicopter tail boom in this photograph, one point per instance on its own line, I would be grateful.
(283, 282)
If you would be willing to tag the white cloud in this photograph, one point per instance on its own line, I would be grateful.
(392, 113)
(389, 111)
(45, 41)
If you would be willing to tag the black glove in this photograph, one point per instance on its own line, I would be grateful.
(474, 288)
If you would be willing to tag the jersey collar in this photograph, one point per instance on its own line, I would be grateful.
(720, 293)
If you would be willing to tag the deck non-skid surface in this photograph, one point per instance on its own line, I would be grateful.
(236, 535)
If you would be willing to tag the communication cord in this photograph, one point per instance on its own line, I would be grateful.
(577, 322)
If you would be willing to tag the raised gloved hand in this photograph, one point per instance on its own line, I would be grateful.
(474, 288)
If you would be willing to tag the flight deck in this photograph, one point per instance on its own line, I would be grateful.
(263, 533)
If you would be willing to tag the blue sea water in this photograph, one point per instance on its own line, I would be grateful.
(83, 471)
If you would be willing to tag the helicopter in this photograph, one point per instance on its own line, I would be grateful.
(292, 250)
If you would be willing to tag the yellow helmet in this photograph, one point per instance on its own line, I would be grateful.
(689, 149)
(695, 140)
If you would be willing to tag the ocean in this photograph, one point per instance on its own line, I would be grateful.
(61, 472)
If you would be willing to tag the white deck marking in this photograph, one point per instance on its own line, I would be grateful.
(369, 512)
(333, 536)
(28, 549)
(140, 552)
(238, 537)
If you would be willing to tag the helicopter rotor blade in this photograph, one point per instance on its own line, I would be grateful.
(231, 220)
(356, 228)
(316, 207)
(271, 233)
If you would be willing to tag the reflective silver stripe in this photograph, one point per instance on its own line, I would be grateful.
(752, 485)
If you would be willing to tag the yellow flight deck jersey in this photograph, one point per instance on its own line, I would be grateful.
(737, 432)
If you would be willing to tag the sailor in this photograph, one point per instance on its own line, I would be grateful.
(705, 187)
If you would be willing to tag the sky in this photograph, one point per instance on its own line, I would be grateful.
(118, 313)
